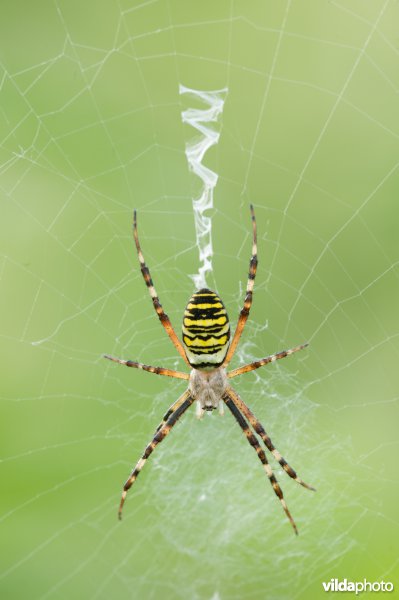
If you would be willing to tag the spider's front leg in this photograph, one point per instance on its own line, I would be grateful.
(259, 429)
(183, 403)
(251, 438)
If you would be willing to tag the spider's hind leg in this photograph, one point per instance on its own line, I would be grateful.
(163, 317)
(244, 313)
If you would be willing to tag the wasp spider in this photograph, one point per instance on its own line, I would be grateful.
(207, 350)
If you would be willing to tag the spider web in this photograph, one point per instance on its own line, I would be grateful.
(92, 127)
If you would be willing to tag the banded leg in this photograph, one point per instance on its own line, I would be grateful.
(172, 409)
(258, 428)
(262, 456)
(264, 361)
(242, 319)
(157, 439)
(156, 370)
(163, 317)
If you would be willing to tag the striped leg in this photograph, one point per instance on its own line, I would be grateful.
(163, 317)
(262, 456)
(157, 439)
(240, 405)
(248, 297)
(156, 370)
(172, 409)
(264, 361)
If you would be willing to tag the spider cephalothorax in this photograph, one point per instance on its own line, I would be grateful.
(208, 388)
(207, 349)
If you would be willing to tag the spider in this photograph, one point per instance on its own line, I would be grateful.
(207, 350)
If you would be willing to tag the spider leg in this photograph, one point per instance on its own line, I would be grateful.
(163, 317)
(248, 296)
(264, 361)
(258, 428)
(157, 439)
(156, 370)
(262, 456)
(172, 409)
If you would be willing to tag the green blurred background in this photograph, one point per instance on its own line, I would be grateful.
(91, 127)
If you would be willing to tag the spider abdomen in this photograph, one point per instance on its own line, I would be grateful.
(206, 330)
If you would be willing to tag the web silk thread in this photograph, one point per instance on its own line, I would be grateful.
(195, 151)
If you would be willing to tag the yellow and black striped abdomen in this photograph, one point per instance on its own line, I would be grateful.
(206, 330)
